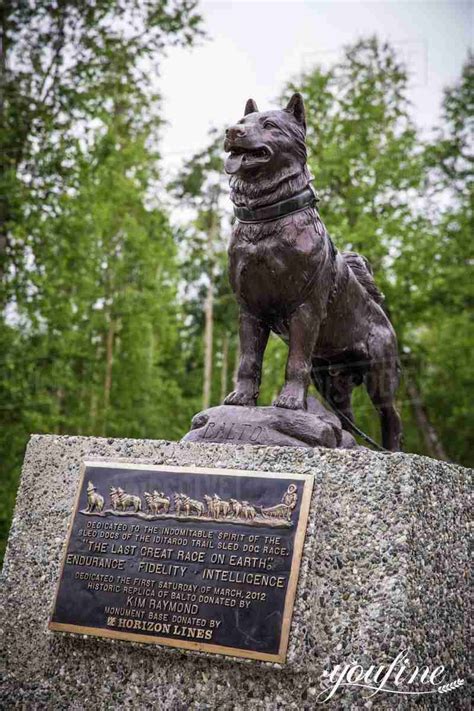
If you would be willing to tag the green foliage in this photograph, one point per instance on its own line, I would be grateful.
(90, 324)
(65, 67)
(445, 332)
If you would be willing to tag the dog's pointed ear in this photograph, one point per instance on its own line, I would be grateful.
(296, 107)
(250, 107)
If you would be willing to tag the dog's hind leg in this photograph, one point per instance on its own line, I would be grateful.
(336, 387)
(253, 335)
(381, 383)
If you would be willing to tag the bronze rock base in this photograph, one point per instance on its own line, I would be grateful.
(270, 426)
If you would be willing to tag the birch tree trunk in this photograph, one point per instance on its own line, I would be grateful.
(432, 442)
(430, 437)
(109, 358)
(208, 334)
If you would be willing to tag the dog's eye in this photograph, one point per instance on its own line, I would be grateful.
(269, 124)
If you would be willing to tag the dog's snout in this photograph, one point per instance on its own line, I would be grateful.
(235, 132)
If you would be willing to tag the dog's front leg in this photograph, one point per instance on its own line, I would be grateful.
(303, 332)
(253, 335)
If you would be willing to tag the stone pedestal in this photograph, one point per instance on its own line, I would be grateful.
(384, 569)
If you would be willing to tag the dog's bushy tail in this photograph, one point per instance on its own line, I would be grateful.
(364, 274)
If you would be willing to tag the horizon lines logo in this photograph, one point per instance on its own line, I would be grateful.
(387, 678)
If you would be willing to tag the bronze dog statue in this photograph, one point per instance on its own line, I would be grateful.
(289, 278)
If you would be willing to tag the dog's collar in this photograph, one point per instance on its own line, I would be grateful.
(268, 213)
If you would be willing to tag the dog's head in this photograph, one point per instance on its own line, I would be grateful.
(267, 142)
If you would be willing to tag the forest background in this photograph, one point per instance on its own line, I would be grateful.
(116, 314)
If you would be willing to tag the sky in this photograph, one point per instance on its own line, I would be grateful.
(253, 48)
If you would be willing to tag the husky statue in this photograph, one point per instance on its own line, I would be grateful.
(289, 278)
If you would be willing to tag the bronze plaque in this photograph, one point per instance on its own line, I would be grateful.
(203, 559)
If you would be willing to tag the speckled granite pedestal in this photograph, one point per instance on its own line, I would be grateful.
(384, 569)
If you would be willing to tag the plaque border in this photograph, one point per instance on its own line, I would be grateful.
(298, 544)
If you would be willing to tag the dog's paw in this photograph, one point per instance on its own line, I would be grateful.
(291, 399)
(241, 398)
